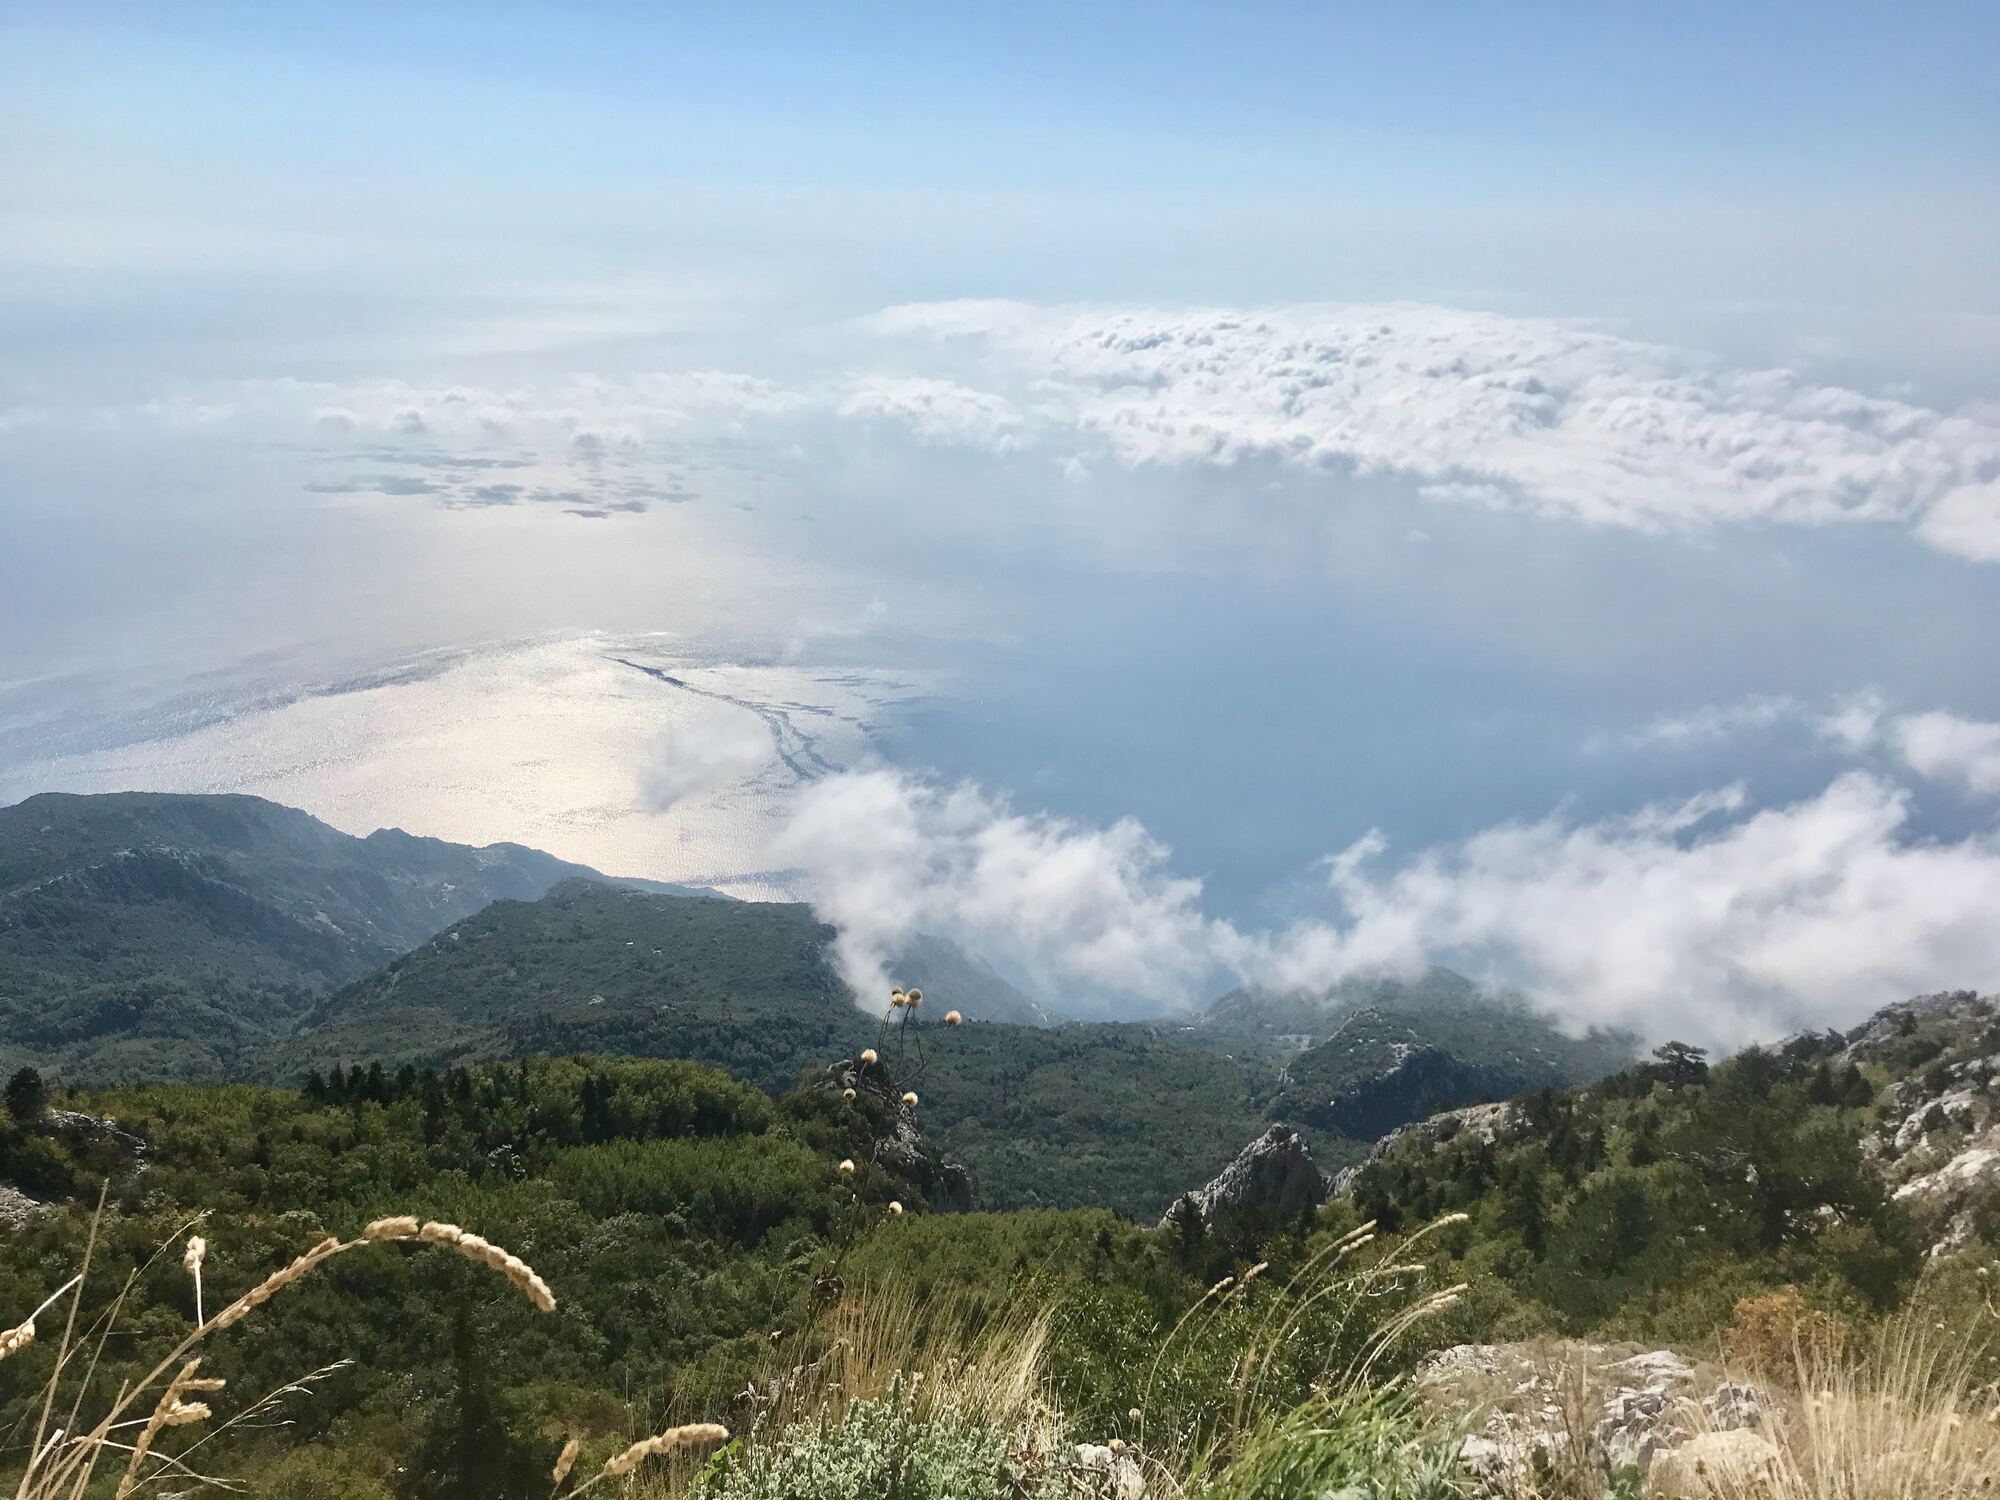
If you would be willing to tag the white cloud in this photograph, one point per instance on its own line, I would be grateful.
(938, 411)
(1702, 919)
(1967, 522)
(1483, 409)
(1945, 747)
(1697, 919)
(1710, 724)
(1855, 724)
(884, 856)
(1936, 745)
(1473, 409)
(705, 754)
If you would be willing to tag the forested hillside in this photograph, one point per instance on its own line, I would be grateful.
(180, 936)
(1647, 1204)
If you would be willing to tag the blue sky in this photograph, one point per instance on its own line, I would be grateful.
(1560, 440)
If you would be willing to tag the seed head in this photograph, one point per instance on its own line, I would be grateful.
(867, 1057)
(403, 1228)
(195, 1254)
(848, 1095)
(895, 1209)
(914, 998)
(485, 1253)
(847, 1166)
(182, 1413)
(952, 1018)
(565, 1461)
(1134, 1415)
(695, 1435)
(910, 1100)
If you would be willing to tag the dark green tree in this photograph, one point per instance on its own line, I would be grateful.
(27, 1096)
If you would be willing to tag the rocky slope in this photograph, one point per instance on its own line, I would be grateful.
(1937, 1139)
(1369, 1055)
(1274, 1175)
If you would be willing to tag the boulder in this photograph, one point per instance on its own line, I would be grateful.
(1716, 1466)
(1108, 1473)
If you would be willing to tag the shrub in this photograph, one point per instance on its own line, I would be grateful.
(891, 1445)
(1771, 1334)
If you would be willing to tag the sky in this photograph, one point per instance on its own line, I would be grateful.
(1171, 496)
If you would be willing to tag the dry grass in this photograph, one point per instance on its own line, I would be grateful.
(1903, 1420)
(68, 1447)
(928, 1356)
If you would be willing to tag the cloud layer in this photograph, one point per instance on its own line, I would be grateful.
(1702, 919)
(1563, 421)
(1470, 409)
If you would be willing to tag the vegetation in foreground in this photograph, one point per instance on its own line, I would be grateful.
(708, 1259)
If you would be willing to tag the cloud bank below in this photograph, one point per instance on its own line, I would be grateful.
(1702, 919)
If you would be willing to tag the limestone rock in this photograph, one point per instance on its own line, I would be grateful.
(1275, 1172)
(1109, 1473)
(1486, 1122)
(1716, 1465)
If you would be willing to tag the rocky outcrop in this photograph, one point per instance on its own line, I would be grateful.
(1106, 1471)
(16, 1208)
(1275, 1173)
(78, 1130)
(1487, 1122)
(1937, 1144)
(1607, 1409)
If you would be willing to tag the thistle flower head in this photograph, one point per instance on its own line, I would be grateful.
(1134, 1415)
(895, 1209)
(913, 997)
(848, 1095)
(868, 1058)
(952, 1018)
(847, 1166)
(14, 1340)
(910, 1099)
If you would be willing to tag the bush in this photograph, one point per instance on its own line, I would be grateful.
(887, 1446)
(1371, 1446)
(1772, 1334)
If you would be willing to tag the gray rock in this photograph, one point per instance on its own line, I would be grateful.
(1734, 1405)
(1484, 1122)
(1735, 1464)
(1276, 1171)
(16, 1208)
(1109, 1473)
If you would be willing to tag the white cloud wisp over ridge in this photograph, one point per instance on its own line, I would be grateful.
(1702, 919)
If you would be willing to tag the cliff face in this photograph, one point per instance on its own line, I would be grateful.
(1275, 1173)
